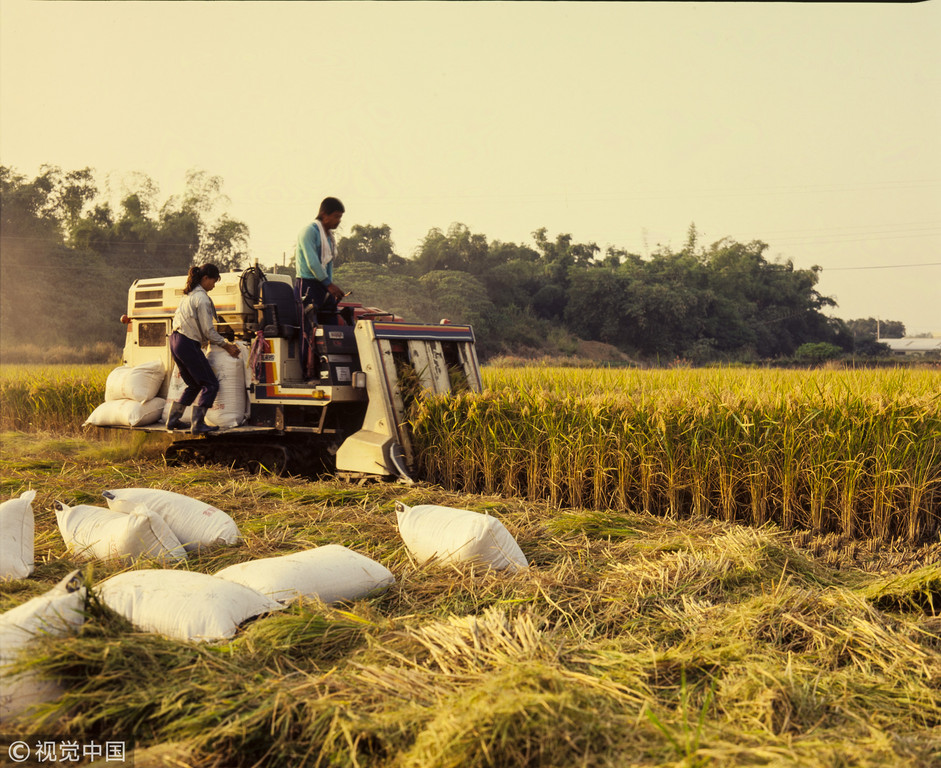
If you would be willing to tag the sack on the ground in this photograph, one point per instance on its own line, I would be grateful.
(451, 535)
(139, 382)
(100, 533)
(54, 613)
(126, 413)
(195, 523)
(17, 536)
(184, 605)
(331, 573)
(231, 406)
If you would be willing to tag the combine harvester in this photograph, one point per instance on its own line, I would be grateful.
(342, 410)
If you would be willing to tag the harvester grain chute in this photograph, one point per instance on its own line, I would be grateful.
(341, 407)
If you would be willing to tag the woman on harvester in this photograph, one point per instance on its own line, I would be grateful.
(192, 329)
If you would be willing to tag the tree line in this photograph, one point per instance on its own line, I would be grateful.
(69, 256)
(721, 301)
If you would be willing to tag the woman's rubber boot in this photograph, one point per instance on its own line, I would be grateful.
(200, 427)
(175, 416)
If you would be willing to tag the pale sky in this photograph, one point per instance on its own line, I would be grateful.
(813, 127)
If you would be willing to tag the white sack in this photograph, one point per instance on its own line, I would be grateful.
(457, 535)
(126, 413)
(183, 605)
(140, 382)
(331, 573)
(195, 523)
(17, 536)
(228, 410)
(231, 406)
(97, 532)
(56, 612)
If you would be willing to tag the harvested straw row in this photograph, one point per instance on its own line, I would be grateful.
(631, 641)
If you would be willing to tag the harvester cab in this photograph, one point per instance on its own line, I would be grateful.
(322, 393)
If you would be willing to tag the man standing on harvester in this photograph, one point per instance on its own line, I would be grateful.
(316, 250)
(314, 286)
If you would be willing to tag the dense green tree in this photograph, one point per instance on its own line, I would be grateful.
(93, 231)
(504, 253)
(134, 236)
(43, 206)
(817, 352)
(870, 328)
(777, 307)
(727, 300)
(603, 305)
(69, 258)
(615, 257)
(513, 274)
(183, 231)
(225, 243)
(458, 249)
(549, 302)
(178, 241)
(381, 287)
(369, 244)
(560, 255)
(460, 297)
(871, 348)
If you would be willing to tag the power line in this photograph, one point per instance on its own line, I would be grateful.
(884, 266)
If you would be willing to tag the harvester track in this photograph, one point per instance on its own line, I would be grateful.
(283, 455)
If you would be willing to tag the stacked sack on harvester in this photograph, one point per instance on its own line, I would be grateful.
(131, 396)
(196, 607)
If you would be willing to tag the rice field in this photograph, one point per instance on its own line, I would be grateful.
(631, 640)
(50, 398)
(851, 452)
(856, 453)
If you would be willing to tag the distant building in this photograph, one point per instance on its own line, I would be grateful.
(913, 346)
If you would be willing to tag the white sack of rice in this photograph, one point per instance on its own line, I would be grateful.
(126, 413)
(450, 535)
(231, 406)
(17, 536)
(331, 573)
(56, 612)
(195, 523)
(183, 605)
(100, 533)
(139, 382)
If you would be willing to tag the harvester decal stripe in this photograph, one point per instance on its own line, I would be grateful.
(423, 332)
